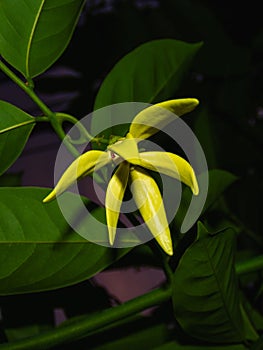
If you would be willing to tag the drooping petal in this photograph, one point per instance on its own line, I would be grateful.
(149, 201)
(80, 167)
(152, 119)
(127, 148)
(172, 165)
(114, 196)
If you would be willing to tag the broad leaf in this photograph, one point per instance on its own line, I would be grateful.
(34, 33)
(12, 142)
(150, 73)
(38, 250)
(206, 298)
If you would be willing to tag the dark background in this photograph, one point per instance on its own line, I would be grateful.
(226, 76)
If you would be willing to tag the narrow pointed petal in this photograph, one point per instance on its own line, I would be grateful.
(80, 167)
(152, 119)
(127, 148)
(172, 165)
(114, 196)
(149, 201)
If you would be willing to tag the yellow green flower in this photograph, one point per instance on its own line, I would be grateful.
(131, 165)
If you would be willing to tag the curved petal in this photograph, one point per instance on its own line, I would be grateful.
(149, 201)
(114, 196)
(80, 167)
(127, 148)
(152, 119)
(172, 165)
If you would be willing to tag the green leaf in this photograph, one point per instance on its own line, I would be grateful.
(38, 249)
(130, 336)
(34, 33)
(258, 345)
(150, 73)
(249, 265)
(14, 334)
(176, 346)
(205, 132)
(13, 141)
(206, 298)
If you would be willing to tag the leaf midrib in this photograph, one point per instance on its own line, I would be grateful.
(157, 93)
(33, 30)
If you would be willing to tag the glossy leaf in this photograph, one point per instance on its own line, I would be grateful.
(34, 33)
(13, 141)
(206, 298)
(38, 250)
(150, 73)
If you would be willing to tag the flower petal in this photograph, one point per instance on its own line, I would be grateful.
(149, 201)
(80, 167)
(152, 119)
(114, 196)
(172, 165)
(126, 148)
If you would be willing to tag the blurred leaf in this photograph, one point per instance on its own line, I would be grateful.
(176, 346)
(39, 251)
(24, 332)
(258, 345)
(150, 73)
(34, 33)
(250, 265)
(205, 134)
(13, 141)
(206, 298)
(196, 21)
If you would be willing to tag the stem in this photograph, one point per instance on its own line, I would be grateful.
(251, 265)
(85, 136)
(167, 269)
(28, 89)
(101, 319)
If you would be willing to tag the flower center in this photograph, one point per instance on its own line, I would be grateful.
(114, 157)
